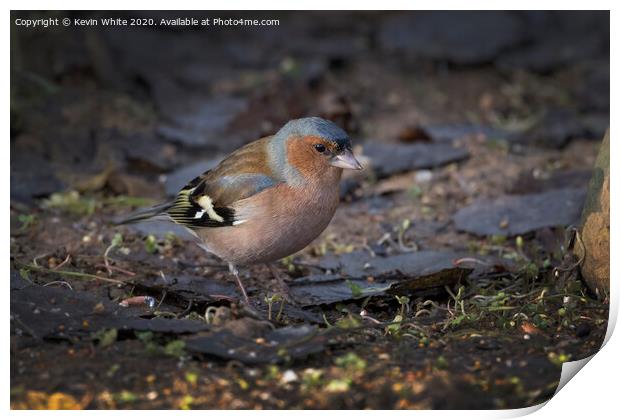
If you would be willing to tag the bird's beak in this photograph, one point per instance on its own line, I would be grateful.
(346, 160)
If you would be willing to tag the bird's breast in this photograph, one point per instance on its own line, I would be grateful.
(274, 224)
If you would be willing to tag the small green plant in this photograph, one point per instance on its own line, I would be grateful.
(186, 402)
(519, 242)
(113, 369)
(175, 348)
(441, 363)
(530, 270)
(394, 328)
(170, 240)
(272, 372)
(415, 192)
(290, 265)
(191, 377)
(356, 290)
(311, 378)
(106, 337)
(349, 321)
(148, 339)
(351, 362)
(25, 274)
(117, 241)
(270, 300)
(27, 220)
(125, 397)
(338, 385)
(558, 359)
(404, 305)
(150, 244)
(71, 202)
(498, 240)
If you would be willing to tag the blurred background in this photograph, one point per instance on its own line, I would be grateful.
(142, 102)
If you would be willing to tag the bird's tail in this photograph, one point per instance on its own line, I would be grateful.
(144, 214)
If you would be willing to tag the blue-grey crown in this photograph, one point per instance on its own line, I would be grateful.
(315, 126)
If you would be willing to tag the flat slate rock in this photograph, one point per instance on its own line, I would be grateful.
(18, 282)
(60, 313)
(459, 37)
(200, 121)
(527, 183)
(357, 275)
(164, 325)
(196, 288)
(389, 159)
(553, 53)
(160, 228)
(32, 177)
(147, 153)
(457, 131)
(593, 94)
(279, 345)
(559, 126)
(179, 178)
(519, 214)
(560, 39)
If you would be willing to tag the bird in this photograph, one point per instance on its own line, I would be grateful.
(266, 200)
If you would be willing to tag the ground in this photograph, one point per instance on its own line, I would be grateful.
(445, 280)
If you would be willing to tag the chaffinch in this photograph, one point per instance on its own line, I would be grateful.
(267, 199)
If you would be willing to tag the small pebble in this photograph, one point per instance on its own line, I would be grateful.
(423, 176)
(289, 376)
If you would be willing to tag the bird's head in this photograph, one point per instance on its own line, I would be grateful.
(315, 147)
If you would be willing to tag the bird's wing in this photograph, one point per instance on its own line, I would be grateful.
(208, 200)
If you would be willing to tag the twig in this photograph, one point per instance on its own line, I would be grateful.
(119, 269)
(451, 294)
(59, 282)
(401, 242)
(303, 264)
(187, 310)
(575, 265)
(371, 319)
(471, 260)
(71, 273)
(63, 263)
(368, 248)
(34, 260)
(164, 294)
(223, 297)
(279, 314)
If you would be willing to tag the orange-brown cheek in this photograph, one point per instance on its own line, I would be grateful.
(302, 156)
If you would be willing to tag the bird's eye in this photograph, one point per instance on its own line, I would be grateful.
(319, 148)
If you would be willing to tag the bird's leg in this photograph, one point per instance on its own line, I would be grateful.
(282, 286)
(233, 270)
